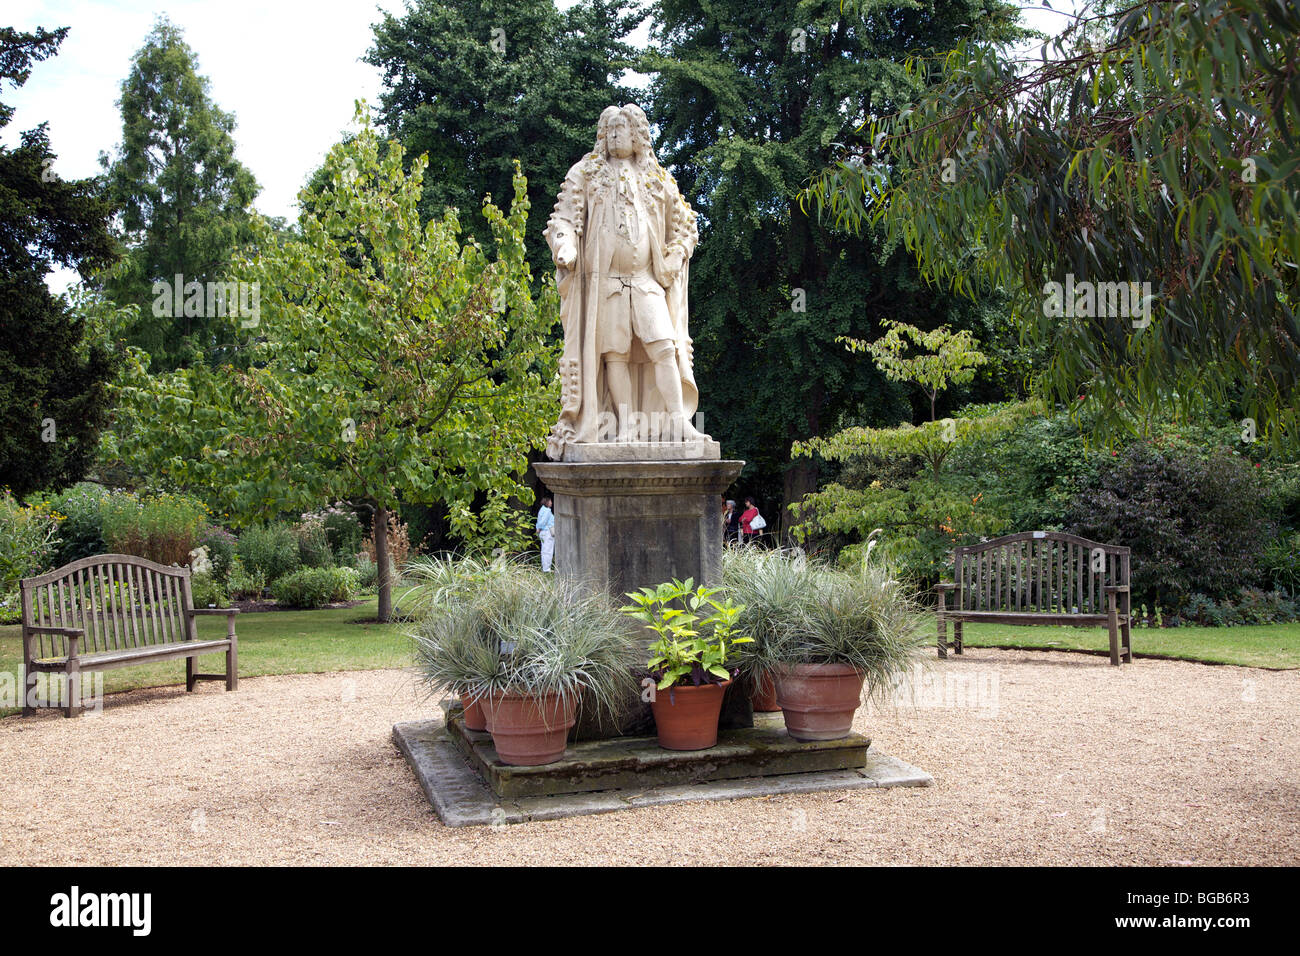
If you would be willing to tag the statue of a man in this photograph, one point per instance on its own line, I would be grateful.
(621, 236)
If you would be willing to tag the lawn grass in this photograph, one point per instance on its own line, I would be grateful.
(344, 639)
(272, 642)
(1275, 646)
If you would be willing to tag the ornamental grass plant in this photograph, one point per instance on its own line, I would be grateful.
(800, 610)
(487, 627)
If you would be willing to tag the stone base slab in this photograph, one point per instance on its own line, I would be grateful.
(460, 797)
(621, 762)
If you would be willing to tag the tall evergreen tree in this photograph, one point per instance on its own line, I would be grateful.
(751, 100)
(182, 195)
(476, 84)
(52, 380)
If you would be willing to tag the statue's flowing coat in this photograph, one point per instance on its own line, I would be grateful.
(585, 212)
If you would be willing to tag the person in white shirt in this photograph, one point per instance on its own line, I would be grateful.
(546, 531)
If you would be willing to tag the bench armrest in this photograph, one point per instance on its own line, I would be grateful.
(65, 631)
(214, 610)
(1115, 588)
(73, 635)
(944, 586)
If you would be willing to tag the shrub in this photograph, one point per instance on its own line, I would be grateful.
(1280, 563)
(1195, 523)
(207, 591)
(11, 608)
(344, 533)
(1032, 472)
(81, 532)
(269, 551)
(164, 528)
(244, 584)
(313, 544)
(1284, 491)
(221, 551)
(1252, 606)
(28, 538)
(367, 573)
(315, 587)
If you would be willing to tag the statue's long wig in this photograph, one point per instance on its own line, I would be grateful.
(642, 147)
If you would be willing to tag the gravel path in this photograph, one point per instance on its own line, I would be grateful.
(1063, 760)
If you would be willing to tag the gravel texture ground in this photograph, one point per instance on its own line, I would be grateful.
(1038, 758)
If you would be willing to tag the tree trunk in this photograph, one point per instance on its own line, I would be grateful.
(800, 479)
(801, 473)
(381, 558)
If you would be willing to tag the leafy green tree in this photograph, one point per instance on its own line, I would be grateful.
(183, 197)
(751, 100)
(922, 514)
(1153, 151)
(952, 358)
(52, 375)
(475, 84)
(923, 510)
(391, 361)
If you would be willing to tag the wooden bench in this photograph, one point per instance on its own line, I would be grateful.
(114, 610)
(1039, 577)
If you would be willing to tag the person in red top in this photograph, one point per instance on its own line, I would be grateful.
(750, 513)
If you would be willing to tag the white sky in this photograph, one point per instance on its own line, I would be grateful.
(290, 71)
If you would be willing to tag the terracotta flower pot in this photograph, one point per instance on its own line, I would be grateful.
(475, 719)
(687, 717)
(529, 730)
(819, 700)
(763, 695)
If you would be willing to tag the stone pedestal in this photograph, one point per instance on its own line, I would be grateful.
(624, 525)
(620, 526)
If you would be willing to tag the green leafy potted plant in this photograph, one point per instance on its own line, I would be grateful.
(527, 647)
(822, 633)
(688, 659)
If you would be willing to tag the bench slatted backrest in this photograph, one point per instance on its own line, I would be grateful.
(1039, 571)
(120, 601)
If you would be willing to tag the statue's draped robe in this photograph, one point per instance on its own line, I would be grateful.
(586, 212)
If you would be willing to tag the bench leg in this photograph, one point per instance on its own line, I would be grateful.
(189, 673)
(72, 691)
(1126, 629)
(232, 666)
(29, 690)
(956, 636)
(1113, 625)
(943, 635)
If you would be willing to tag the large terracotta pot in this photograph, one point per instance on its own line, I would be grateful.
(528, 730)
(687, 717)
(475, 719)
(819, 700)
(763, 695)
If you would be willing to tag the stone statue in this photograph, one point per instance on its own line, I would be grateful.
(621, 236)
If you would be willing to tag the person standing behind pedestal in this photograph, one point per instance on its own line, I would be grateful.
(733, 524)
(728, 517)
(546, 532)
(748, 520)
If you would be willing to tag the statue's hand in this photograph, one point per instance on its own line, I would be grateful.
(566, 254)
(673, 263)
